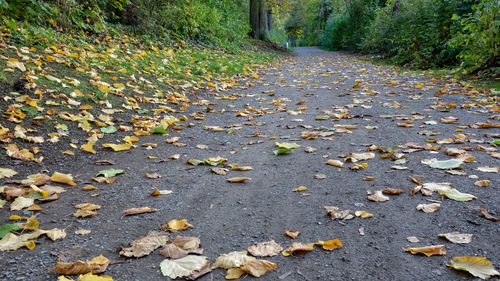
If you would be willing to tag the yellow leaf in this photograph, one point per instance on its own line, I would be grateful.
(296, 247)
(130, 139)
(330, 245)
(428, 250)
(300, 188)
(234, 273)
(68, 152)
(30, 244)
(89, 147)
(92, 277)
(363, 214)
(478, 266)
(118, 147)
(62, 178)
(177, 225)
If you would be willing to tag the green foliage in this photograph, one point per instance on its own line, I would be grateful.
(479, 37)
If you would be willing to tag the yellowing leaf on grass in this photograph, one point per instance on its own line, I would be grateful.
(238, 179)
(95, 265)
(62, 178)
(457, 238)
(478, 266)
(176, 225)
(265, 249)
(145, 245)
(118, 147)
(89, 147)
(428, 250)
(189, 267)
(298, 247)
(136, 211)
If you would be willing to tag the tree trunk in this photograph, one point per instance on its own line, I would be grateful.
(319, 22)
(258, 19)
(269, 16)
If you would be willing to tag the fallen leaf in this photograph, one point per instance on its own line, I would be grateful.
(13, 242)
(21, 203)
(86, 210)
(214, 161)
(287, 145)
(219, 171)
(257, 268)
(232, 260)
(487, 215)
(482, 183)
(300, 188)
(82, 231)
(95, 265)
(109, 173)
(8, 228)
(456, 237)
(442, 165)
(137, 211)
(7, 173)
(194, 162)
(153, 175)
(176, 225)
(145, 245)
(428, 208)
(336, 213)
(92, 277)
(449, 120)
(298, 247)
(234, 273)
(392, 191)
(355, 157)
(310, 149)
(202, 146)
(335, 163)
(281, 151)
(487, 169)
(265, 249)
(62, 178)
(428, 250)
(412, 239)
(478, 266)
(235, 167)
(89, 147)
(378, 196)
(292, 233)
(189, 267)
(118, 147)
(363, 214)
(330, 245)
(238, 179)
(456, 195)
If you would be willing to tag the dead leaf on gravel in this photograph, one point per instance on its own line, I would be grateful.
(487, 215)
(191, 244)
(232, 260)
(7, 173)
(330, 245)
(153, 176)
(36, 179)
(13, 242)
(104, 162)
(310, 149)
(486, 169)
(234, 273)
(336, 213)
(176, 225)
(265, 249)
(201, 146)
(457, 238)
(55, 234)
(298, 247)
(449, 120)
(428, 250)
(86, 210)
(257, 268)
(95, 265)
(392, 191)
(238, 179)
(292, 233)
(482, 183)
(378, 196)
(174, 252)
(355, 157)
(137, 211)
(82, 231)
(189, 267)
(320, 176)
(92, 277)
(428, 208)
(235, 167)
(478, 266)
(145, 245)
(363, 214)
(219, 171)
(412, 239)
(21, 203)
(104, 180)
(335, 163)
(62, 178)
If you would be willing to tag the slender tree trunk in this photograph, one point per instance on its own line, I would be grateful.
(258, 19)
(319, 22)
(269, 16)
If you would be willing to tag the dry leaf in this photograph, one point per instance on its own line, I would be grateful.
(310, 149)
(330, 245)
(136, 211)
(92, 277)
(219, 171)
(298, 247)
(235, 167)
(458, 238)
(257, 268)
(487, 169)
(412, 239)
(265, 249)
(189, 267)
(176, 225)
(428, 208)
(6, 173)
(392, 191)
(62, 178)
(153, 175)
(355, 157)
(335, 163)
(13, 242)
(487, 215)
(55, 234)
(478, 266)
(95, 265)
(234, 273)
(428, 250)
(232, 260)
(145, 245)
(202, 146)
(238, 179)
(292, 233)
(82, 231)
(21, 203)
(482, 183)
(377, 196)
(336, 213)
(363, 214)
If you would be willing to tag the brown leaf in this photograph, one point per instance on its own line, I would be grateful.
(265, 249)
(292, 233)
(95, 265)
(257, 268)
(191, 244)
(377, 196)
(153, 175)
(136, 211)
(487, 215)
(238, 179)
(171, 251)
(219, 171)
(104, 162)
(145, 245)
(336, 213)
(392, 191)
(428, 250)
(482, 183)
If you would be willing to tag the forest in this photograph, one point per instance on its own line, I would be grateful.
(460, 34)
